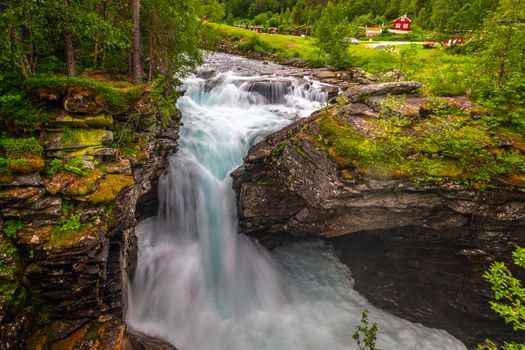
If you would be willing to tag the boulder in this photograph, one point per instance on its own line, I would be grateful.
(72, 139)
(358, 93)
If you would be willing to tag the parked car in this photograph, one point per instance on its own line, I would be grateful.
(354, 41)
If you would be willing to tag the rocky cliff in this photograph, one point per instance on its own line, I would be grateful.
(68, 197)
(416, 236)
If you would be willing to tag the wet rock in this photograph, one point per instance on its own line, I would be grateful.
(432, 277)
(134, 340)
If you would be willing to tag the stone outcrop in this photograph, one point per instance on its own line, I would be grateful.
(68, 240)
(357, 93)
(290, 184)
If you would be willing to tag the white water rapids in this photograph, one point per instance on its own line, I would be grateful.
(202, 286)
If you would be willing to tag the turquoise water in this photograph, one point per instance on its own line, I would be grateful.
(200, 285)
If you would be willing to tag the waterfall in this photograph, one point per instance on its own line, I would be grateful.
(200, 285)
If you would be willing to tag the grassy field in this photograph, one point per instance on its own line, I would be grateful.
(444, 72)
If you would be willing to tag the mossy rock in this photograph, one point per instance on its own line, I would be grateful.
(100, 121)
(26, 165)
(9, 260)
(82, 185)
(18, 194)
(86, 235)
(74, 184)
(110, 188)
(75, 139)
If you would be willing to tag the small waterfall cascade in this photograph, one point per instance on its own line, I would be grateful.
(200, 285)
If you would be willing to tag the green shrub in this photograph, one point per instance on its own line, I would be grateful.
(18, 107)
(365, 335)
(509, 297)
(12, 227)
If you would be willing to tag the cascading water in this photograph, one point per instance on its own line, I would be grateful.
(200, 285)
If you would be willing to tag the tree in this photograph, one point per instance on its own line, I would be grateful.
(68, 42)
(331, 35)
(136, 47)
(509, 296)
(172, 35)
(504, 38)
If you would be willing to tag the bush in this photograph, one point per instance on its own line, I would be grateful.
(365, 335)
(509, 296)
(12, 227)
(18, 107)
(54, 166)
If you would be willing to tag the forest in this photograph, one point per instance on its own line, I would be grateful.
(439, 15)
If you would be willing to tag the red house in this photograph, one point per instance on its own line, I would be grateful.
(402, 23)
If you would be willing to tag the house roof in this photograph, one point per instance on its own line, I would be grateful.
(403, 18)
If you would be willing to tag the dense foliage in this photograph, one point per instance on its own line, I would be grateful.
(441, 15)
(47, 36)
(509, 296)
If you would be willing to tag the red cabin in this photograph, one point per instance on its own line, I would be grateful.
(402, 23)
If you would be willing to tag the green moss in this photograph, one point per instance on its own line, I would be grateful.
(84, 138)
(118, 99)
(67, 226)
(8, 165)
(8, 291)
(448, 146)
(16, 148)
(299, 151)
(96, 122)
(110, 187)
(278, 151)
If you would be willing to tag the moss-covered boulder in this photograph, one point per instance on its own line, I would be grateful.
(75, 139)
(110, 188)
(100, 121)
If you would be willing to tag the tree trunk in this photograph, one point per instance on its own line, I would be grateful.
(68, 44)
(150, 63)
(137, 66)
(23, 64)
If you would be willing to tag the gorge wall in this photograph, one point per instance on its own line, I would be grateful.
(417, 249)
(68, 218)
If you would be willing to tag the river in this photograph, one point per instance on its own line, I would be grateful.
(199, 284)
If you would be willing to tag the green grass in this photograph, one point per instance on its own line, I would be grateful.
(286, 45)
